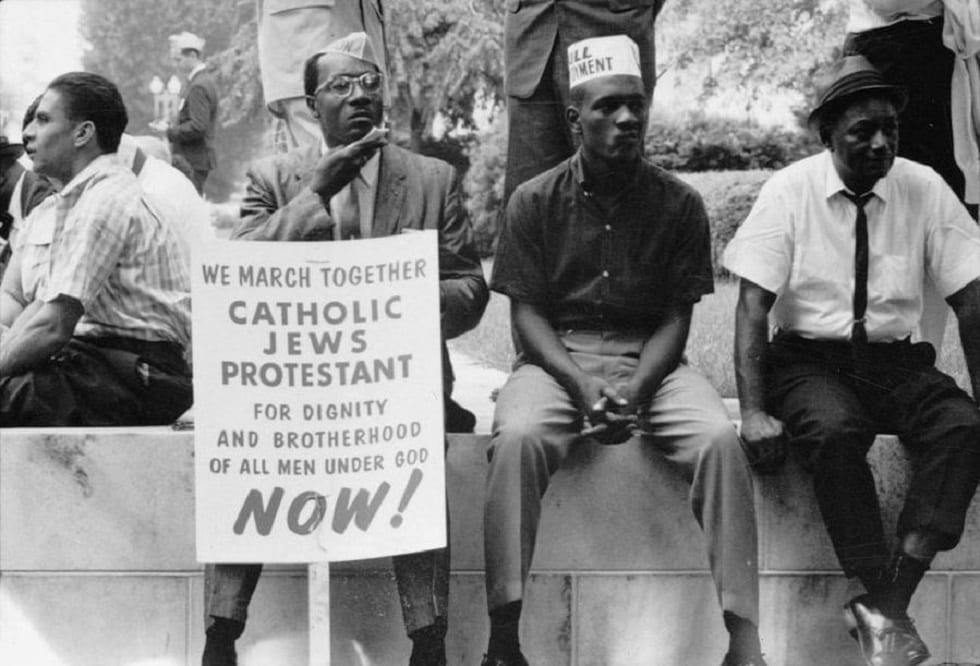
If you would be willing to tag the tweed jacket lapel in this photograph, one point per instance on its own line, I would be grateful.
(391, 193)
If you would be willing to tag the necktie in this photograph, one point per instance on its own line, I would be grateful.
(859, 334)
(350, 211)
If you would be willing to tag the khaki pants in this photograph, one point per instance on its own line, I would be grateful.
(535, 424)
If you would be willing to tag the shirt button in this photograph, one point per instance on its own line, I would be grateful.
(608, 227)
(605, 274)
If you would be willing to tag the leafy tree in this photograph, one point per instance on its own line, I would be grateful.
(128, 45)
(446, 57)
(752, 46)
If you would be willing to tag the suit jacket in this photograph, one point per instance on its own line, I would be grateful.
(193, 135)
(290, 31)
(533, 28)
(414, 192)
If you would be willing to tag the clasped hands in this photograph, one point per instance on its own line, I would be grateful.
(611, 414)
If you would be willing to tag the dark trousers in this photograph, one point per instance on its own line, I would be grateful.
(538, 136)
(106, 381)
(911, 54)
(834, 401)
(422, 579)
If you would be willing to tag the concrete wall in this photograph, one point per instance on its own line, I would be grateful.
(97, 566)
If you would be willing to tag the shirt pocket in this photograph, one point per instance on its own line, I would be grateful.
(281, 6)
(892, 278)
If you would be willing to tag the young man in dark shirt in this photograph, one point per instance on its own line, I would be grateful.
(603, 258)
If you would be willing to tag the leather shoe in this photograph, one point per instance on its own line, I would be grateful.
(884, 641)
(491, 659)
(755, 660)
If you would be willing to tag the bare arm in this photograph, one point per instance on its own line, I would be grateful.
(12, 301)
(763, 434)
(659, 357)
(41, 330)
(966, 305)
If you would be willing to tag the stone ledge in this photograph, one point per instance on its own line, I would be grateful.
(122, 499)
(96, 522)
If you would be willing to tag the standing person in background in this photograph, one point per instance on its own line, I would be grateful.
(193, 135)
(904, 40)
(536, 40)
(289, 30)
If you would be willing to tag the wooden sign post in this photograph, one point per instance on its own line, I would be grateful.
(318, 587)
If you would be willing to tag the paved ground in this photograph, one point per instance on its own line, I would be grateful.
(474, 385)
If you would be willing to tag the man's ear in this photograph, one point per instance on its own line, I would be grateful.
(573, 118)
(311, 105)
(85, 133)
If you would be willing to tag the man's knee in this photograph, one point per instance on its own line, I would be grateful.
(518, 438)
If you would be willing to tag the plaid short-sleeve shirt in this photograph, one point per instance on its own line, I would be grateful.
(111, 253)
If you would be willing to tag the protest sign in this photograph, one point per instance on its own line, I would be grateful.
(318, 400)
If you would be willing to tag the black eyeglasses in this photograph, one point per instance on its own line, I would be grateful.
(342, 85)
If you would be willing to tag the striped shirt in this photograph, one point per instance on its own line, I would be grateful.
(108, 251)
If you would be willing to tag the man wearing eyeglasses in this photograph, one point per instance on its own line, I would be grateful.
(356, 185)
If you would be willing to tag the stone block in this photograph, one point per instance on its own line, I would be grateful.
(91, 620)
(655, 620)
(96, 499)
(466, 473)
(964, 623)
(802, 620)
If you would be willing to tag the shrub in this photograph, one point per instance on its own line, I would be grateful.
(701, 143)
(483, 185)
(728, 197)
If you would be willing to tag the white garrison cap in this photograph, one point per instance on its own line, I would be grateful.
(186, 40)
(602, 56)
(356, 45)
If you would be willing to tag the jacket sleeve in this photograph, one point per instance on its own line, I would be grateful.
(194, 128)
(463, 292)
(267, 213)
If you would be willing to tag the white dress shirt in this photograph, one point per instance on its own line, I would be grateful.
(871, 14)
(798, 243)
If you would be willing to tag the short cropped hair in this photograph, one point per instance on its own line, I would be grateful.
(30, 112)
(97, 99)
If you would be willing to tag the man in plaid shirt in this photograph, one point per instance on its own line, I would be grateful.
(98, 338)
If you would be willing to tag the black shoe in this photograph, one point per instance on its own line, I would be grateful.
(491, 659)
(884, 641)
(753, 660)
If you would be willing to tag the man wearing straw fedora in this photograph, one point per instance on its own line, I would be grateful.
(834, 251)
